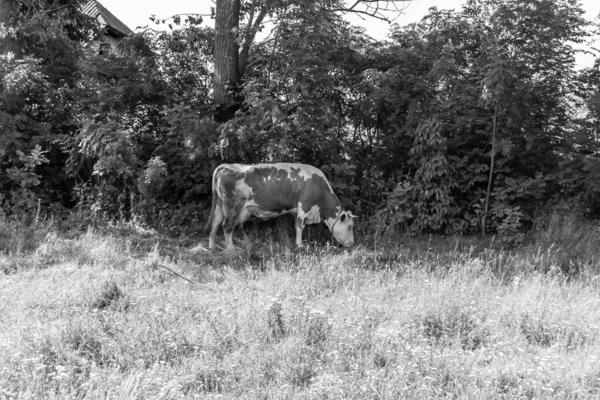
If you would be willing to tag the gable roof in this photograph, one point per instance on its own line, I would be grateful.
(96, 10)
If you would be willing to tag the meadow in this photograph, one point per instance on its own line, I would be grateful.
(107, 313)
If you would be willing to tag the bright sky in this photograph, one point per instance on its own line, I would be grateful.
(135, 13)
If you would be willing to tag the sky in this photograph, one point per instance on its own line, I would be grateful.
(136, 13)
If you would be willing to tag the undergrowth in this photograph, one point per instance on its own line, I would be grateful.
(107, 313)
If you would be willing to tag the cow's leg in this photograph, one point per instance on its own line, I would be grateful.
(299, 228)
(216, 223)
(228, 227)
(243, 217)
(229, 240)
(231, 214)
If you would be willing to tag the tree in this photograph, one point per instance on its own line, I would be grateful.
(504, 91)
(37, 88)
(231, 59)
(8, 39)
(227, 69)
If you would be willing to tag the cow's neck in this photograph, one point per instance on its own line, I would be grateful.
(332, 212)
(331, 208)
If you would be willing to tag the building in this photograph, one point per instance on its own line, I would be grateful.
(113, 30)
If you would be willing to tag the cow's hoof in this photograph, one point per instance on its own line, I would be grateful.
(232, 250)
(300, 249)
(199, 248)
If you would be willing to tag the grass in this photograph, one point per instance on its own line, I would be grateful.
(96, 315)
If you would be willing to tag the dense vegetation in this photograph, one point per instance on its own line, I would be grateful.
(474, 120)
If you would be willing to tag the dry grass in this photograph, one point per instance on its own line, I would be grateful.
(98, 316)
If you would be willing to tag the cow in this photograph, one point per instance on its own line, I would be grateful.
(270, 190)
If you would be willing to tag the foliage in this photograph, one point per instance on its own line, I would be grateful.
(295, 105)
(467, 121)
(501, 105)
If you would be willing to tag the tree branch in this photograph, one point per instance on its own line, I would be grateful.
(354, 5)
(250, 17)
(377, 9)
(251, 30)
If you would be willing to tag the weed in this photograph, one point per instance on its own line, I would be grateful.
(207, 380)
(301, 367)
(85, 342)
(540, 330)
(275, 324)
(454, 323)
(381, 360)
(110, 295)
(317, 328)
(537, 332)
(507, 383)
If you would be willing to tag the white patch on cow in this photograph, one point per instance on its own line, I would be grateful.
(257, 212)
(250, 203)
(242, 190)
(243, 216)
(313, 216)
(219, 187)
(330, 221)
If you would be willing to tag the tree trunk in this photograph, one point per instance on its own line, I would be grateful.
(491, 175)
(9, 44)
(227, 22)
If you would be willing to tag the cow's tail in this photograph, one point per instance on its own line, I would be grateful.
(214, 202)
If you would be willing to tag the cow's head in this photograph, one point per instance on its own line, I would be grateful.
(343, 229)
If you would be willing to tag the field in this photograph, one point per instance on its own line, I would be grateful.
(104, 313)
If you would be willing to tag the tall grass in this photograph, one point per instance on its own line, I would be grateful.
(569, 243)
(19, 236)
(96, 317)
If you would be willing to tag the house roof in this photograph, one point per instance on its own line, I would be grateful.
(96, 10)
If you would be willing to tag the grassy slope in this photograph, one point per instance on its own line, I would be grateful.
(98, 317)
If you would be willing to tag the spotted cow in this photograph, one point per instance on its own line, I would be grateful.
(270, 190)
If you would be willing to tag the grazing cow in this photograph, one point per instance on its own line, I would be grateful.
(270, 190)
